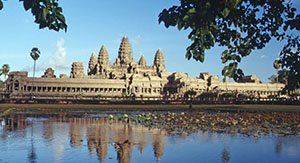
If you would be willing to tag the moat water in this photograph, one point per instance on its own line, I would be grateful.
(61, 139)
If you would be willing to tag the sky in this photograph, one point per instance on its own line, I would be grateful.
(96, 22)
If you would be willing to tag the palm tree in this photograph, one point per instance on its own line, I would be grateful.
(35, 54)
(5, 70)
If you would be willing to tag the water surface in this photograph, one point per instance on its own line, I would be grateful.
(62, 139)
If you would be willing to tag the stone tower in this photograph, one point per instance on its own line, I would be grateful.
(92, 64)
(125, 52)
(159, 61)
(103, 61)
(77, 70)
(103, 56)
(49, 73)
(142, 61)
(158, 143)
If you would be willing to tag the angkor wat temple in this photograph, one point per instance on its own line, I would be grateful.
(126, 78)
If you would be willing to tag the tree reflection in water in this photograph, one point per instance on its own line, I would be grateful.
(278, 146)
(225, 155)
(32, 154)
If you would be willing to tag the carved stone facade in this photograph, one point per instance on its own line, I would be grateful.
(49, 73)
(77, 70)
(128, 78)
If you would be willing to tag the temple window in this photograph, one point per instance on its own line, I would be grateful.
(16, 85)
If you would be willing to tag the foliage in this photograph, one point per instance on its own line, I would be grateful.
(1, 84)
(273, 79)
(229, 95)
(4, 70)
(190, 93)
(276, 64)
(35, 54)
(47, 13)
(282, 77)
(240, 26)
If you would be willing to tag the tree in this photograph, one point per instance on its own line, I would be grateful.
(35, 54)
(5, 70)
(47, 13)
(273, 78)
(189, 94)
(282, 77)
(1, 84)
(240, 26)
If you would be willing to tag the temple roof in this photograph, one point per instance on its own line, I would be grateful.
(93, 60)
(159, 59)
(142, 61)
(103, 55)
(125, 52)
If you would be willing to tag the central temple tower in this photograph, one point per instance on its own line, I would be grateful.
(125, 53)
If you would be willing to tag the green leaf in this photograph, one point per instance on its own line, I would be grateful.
(236, 2)
(224, 56)
(188, 55)
(225, 52)
(179, 24)
(44, 14)
(240, 72)
(238, 58)
(61, 18)
(1, 5)
(191, 11)
(27, 4)
(225, 12)
(201, 57)
(186, 17)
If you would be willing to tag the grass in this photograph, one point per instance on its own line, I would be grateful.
(8, 108)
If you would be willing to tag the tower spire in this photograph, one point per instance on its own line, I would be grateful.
(142, 61)
(92, 64)
(103, 58)
(125, 52)
(159, 61)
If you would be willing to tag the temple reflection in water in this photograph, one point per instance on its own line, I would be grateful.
(100, 133)
(63, 139)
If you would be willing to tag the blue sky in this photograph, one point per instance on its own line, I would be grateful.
(96, 22)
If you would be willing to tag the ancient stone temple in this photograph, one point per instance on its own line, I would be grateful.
(126, 78)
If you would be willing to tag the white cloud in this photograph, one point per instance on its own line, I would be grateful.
(136, 46)
(136, 41)
(263, 56)
(58, 60)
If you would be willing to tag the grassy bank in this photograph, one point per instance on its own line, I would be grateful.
(7, 108)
